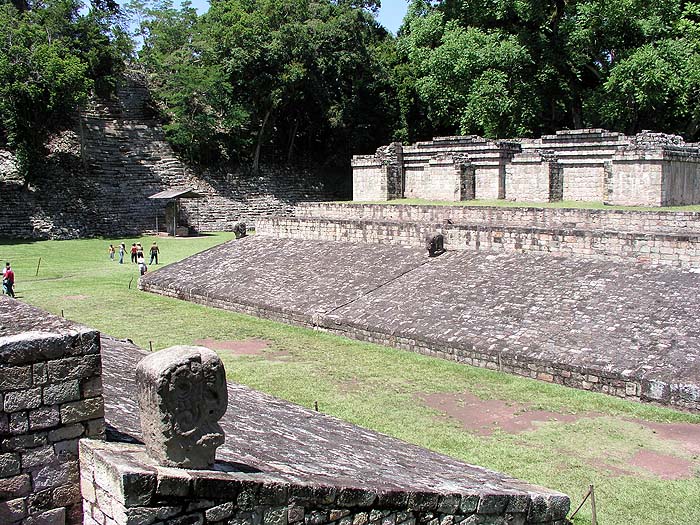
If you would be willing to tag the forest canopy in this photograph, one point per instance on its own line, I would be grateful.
(297, 81)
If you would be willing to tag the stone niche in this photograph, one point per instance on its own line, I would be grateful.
(534, 176)
(378, 177)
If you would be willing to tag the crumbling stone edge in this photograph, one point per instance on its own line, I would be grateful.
(121, 484)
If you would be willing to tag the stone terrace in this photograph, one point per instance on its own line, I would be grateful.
(615, 327)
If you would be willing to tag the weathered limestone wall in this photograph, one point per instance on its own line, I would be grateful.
(121, 485)
(51, 396)
(98, 178)
(665, 177)
(445, 178)
(651, 169)
(554, 218)
(667, 249)
(534, 177)
(582, 154)
(378, 177)
(488, 159)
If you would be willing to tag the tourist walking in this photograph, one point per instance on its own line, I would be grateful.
(8, 280)
(142, 264)
(122, 251)
(110, 250)
(134, 249)
(154, 253)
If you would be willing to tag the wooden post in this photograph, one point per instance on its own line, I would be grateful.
(37, 268)
(593, 513)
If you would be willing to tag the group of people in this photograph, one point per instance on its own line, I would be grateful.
(8, 280)
(136, 254)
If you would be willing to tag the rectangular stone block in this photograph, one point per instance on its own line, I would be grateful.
(66, 432)
(40, 375)
(74, 368)
(24, 441)
(37, 457)
(50, 517)
(15, 487)
(58, 393)
(82, 410)
(66, 495)
(19, 423)
(12, 510)
(9, 464)
(55, 475)
(66, 449)
(22, 399)
(15, 377)
(44, 417)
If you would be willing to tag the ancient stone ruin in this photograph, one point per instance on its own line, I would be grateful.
(648, 169)
(182, 395)
(281, 464)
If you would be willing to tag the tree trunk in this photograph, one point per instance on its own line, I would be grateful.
(258, 146)
(291, 141)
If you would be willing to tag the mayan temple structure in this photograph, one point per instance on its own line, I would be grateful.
(648, 169)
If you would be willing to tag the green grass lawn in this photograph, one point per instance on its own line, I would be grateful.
(583, 205)
(381, 388)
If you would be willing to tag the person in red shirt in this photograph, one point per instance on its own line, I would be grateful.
(8, 280)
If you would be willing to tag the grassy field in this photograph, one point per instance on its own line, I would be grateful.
(500, 203)
(590, 439)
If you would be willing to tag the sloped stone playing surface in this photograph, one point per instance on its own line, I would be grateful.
(283, 442)
(622, 328)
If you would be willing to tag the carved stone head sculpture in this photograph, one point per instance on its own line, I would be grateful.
(182, 395)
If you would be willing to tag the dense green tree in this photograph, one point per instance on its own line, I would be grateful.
(51, 57)
(512, 67)
(284, 80)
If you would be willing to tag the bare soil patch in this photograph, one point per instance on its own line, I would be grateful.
(75, 297)
(242, 347)
(665, 466)
(483, 417)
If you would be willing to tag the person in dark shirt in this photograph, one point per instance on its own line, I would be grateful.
(154, 253)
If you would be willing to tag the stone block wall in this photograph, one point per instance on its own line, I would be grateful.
(534, 177)
(445, 178)
(666, 249)
(379, 176)
(121, 485)
(647, 222)
(664, 176)
(488, 159)
(51, 396)
(99, 174)
(577, 165)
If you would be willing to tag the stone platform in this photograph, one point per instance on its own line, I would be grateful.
(286, 464)
(621, 328)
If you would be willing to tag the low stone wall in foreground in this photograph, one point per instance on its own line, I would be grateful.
(51, 396)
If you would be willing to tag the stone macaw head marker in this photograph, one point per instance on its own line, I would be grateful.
(182, 396)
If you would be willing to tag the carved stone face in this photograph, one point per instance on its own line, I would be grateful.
(182, 396)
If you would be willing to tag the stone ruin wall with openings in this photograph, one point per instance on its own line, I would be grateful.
(648, 169)
(98, 175)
